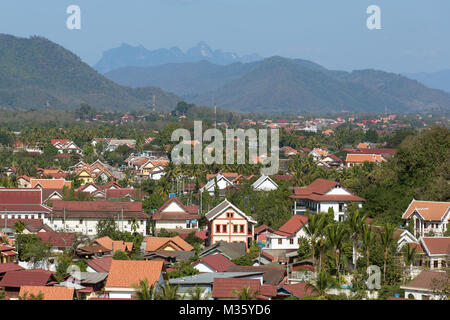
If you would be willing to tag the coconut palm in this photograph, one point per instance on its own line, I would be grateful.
(355, 222)
(409, 256)
(245, 293)
(197, 293)
(335, 236)
(144, 291)
(386, 238)
(319, 285)
(313, 229)
(368, 239)
(168, 292)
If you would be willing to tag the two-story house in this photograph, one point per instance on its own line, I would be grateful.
(227, 223)
(428, 217)
(288, 235)
(321, 195)
(175, 216)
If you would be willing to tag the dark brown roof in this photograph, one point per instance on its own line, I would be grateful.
(100, 264)
(424, 281)
(57, 239)
(5, 267)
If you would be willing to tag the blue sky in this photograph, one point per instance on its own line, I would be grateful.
(414, 36)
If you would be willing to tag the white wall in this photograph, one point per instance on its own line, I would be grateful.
(89, 226)
(203, 268)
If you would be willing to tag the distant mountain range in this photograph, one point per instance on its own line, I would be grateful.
(36, 73)
(437, 80)
(130, 56)
(279, 84)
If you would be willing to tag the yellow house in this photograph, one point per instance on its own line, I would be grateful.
(85, 177)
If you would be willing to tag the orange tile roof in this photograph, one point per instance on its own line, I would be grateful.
(50, 293)
(157, 243)
(51, 183)
(127, 273)
(363, 146)
(429, 210)
(360, 158)
(118, 245)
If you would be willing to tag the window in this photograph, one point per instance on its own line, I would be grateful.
(230, 215)
(224, 228)
(242, 228)
(425, 297)
(142, 222)
(26, 216)
(341, 207)
(280, 241)
(218, 228)
(129, 221)
(436, 263)
(81, 221)
(235, 228)
(291, 241)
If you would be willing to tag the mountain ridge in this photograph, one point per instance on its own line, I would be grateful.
(278, 84)
(137, 56)
(37, 73)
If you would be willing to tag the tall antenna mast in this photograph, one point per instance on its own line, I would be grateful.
(154, 103)
(215, 113)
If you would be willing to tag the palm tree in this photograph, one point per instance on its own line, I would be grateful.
(319, 285)
(355, 222)
(144, 291)
(245, 293)
(409, 256)
(368, 239)
(313, 229)
(197, 293)
(386, 238)
(335, 235)
(168, 292)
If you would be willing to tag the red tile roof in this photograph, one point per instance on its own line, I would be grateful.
(6, 267)
(98, 209)
(100, 264)
(20, 197)
(57, 239)
(298, 290)
(187, 213)
(16, 279)
(123, 192)
(291, 227)
(228, 287)
(436, 245)
(263, 228)
(317, 190)
(217, 262)
(425, 280)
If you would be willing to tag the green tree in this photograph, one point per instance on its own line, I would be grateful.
(143, 291)
(19, 226)
(319, 285)
(246, 293)
(168, 292)
(409, 257)
(386, 239)
(120, 255)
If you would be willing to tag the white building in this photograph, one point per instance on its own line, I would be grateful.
(428, 217)
(221, 181)
(264, 183)
(289, 234)
(83, 216)
(321, 196)
(227, 223)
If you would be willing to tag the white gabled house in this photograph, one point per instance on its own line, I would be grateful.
(428, 217)
(222, 184)
(264, 183)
